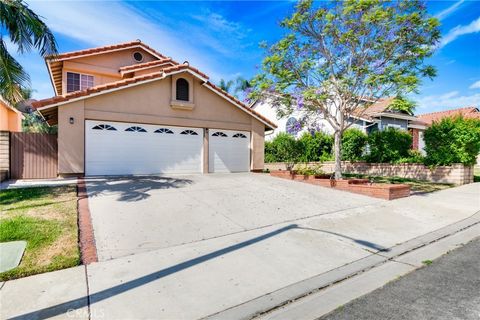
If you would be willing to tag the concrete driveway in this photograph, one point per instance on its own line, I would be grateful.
(138, 214)
(230, 246)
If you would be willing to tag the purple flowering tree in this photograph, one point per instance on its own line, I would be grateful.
(336, 54)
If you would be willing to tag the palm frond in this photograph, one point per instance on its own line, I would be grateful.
(13, 78)
(25, 28)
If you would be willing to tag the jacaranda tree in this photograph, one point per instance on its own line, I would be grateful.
(335, 53)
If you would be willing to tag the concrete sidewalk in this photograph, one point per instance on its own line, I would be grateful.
(239, 275)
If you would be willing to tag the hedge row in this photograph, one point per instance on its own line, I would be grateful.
(450, 141)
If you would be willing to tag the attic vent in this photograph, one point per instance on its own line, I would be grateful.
(138, 56)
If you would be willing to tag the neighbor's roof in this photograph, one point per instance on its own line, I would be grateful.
(52, 103)
(467, 112)
(9, 106)
(375, 109)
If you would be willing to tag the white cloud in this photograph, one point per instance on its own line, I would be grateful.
(475, 85)
(103, 23)
(460, 30)
(448, 100)
(454, 7)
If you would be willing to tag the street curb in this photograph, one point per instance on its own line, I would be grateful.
(88, 249)
(278, 298)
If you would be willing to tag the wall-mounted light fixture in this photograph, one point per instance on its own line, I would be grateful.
(71, 120)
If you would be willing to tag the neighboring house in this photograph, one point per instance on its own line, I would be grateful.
(10, 118)
(378, 116)
(127, 109)
(426, 120)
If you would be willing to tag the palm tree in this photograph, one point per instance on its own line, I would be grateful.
(242, 85)
(225, 85)
(27, 31)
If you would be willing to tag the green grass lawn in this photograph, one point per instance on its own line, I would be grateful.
(416, 186)
(46, 217)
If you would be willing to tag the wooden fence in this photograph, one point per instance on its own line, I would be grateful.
(4, 155)
(33, 155)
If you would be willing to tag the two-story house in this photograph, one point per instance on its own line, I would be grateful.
(128, 109)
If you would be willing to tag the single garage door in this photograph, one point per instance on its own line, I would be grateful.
(229, 151)
(117, 148)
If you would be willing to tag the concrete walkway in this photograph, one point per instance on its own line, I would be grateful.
(29, 183)
(238, 275)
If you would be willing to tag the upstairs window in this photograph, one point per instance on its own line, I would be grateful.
(182, 90)
(78, 82)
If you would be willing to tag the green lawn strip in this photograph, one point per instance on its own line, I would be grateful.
(46, 217)
(417, 186)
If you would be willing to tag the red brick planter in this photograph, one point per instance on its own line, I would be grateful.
(88, 250)
(360, 186)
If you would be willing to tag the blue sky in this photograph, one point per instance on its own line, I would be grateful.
(221, 39)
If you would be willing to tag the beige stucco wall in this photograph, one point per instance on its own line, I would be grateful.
(71, 149)
(9, 119)
(104, 68)
(150, 103)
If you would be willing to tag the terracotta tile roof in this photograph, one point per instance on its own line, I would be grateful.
(244, 106)
(78, 53)
(150, 76)
(147, 64)
(467, 112)
(417, 123)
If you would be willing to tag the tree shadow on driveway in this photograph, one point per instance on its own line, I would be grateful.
(132, 188)
(361, 242)
(69, 306)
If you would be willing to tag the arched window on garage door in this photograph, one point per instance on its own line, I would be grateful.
(219, 134)
(104, 127)
(136, 129)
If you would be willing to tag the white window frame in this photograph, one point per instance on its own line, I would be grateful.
(395, 126)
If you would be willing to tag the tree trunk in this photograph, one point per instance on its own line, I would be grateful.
(338, 154)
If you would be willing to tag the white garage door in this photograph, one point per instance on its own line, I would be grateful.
(116, 148)
(229, 151)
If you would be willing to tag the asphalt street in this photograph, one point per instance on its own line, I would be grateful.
(448, 288)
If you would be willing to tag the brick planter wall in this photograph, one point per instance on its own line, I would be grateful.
(360, 186)
(457, 174)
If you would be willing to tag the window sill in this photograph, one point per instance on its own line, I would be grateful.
(182, 105)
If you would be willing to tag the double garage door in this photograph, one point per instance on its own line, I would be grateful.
(117, 148)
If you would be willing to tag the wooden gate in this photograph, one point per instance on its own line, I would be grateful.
(33, 155)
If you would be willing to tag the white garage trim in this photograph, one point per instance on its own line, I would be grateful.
(229, 151)
(117, 148)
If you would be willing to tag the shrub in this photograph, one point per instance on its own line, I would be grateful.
(270, 154)
(389, 145)
(283, 148)
(316, 147)
(354, 142)
(414, 156)
(452, 140)
(310, 171)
